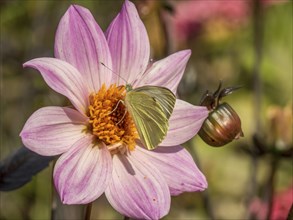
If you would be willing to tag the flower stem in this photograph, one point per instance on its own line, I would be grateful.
(88, 211)
(126, 218)
(290, 214)
(271, 186)
(258, 52)
(53, 196)
(205, 194)
(257, 84)
(252, 183)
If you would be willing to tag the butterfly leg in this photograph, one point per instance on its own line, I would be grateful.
(122, 118)
(120, 101)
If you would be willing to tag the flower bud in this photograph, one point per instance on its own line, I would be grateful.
(222, 126)
(279, 131)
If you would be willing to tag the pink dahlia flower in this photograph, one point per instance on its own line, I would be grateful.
(98, 155)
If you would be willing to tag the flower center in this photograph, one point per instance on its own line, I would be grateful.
(109, 120)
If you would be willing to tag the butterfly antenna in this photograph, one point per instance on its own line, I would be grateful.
(114, 73)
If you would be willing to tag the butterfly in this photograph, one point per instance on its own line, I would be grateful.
(150, 108)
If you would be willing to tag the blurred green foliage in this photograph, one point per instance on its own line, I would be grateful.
(27, 31)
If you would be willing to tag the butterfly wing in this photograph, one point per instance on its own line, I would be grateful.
(162, 95)
(149, 117)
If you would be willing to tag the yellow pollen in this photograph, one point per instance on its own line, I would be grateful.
(108, 118)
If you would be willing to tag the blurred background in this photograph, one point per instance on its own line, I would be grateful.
(239, 42)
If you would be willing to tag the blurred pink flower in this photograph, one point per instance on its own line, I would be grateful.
(190, 16)
(98, 155)
(281, 206)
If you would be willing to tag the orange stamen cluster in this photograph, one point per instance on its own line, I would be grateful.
(109, 120)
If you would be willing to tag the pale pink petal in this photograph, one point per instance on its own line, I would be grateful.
(64, 79)
(129, 44)
(166, 72)
(82, 174)
(53, 130)
(138, 190)
(178, 168)
(184, 123)
(81, 42)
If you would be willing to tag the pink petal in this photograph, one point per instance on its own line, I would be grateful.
(166, 72)
(138, 190)
(81, 42)
(129, 44)
(53, 130)
(184, 123)
(64, 79)
(178, 168)
(82, 174)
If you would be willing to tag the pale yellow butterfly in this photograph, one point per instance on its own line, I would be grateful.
(150, 108)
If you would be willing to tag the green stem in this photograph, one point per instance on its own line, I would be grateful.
(258, 52)
(257, 84)
(252, 185)
(290, 214)
(88, 211)
(53, 195)
(205, 194)
(271, 186)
